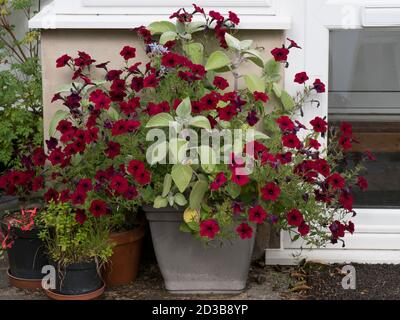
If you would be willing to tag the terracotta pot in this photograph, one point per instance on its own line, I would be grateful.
(123, 266)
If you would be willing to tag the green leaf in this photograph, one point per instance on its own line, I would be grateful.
(195, 51)
(58, 116)
(160, 202)
(160, 120)
(194, 226)
(184, 228)
(272, 70)
(234, 190)
(254, 83)
(246, 44)
(159, 27)
(197, 195)
(177, 149)
(168, 36)
(287, 100)
(184, 109)
(167, 185)
(208, 158)
(260, 136)
(200, 122)
(180, 200)
(277, 90)
(232, 42)
(113, 114)
(195, 26)
(255, 57)
(217, 60)
(182, 175)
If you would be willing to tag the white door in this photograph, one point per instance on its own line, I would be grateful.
(354, 47)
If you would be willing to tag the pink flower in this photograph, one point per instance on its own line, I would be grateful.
(209, 228)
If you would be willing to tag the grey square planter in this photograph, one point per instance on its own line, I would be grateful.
(188, 266)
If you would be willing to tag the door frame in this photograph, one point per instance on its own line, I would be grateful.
(378, 229)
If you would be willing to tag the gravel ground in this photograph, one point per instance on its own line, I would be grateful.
(264, 283)
(309, 281)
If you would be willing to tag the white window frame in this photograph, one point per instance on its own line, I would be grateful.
(122, 14)
(377, 236)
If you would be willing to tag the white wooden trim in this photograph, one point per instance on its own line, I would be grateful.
(72, 14)
(381, 16)
(294, 256)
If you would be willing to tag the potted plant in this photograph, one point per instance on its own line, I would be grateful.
(76, 251)
(19, 226)
(204, 200)
(94, 144)
(283, 176)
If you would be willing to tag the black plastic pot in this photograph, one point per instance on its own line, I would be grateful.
(77, 278)
(27, 256)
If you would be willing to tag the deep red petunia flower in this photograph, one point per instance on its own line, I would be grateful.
(362, 183)
(233, 18)
(143, 177)
(38, 183)
(280, 54)
(220, 83)
(319, 86)
(120, 127)
(119, 184)
(345, 142)
(39, 157)
(322, 166)
(337, 229)
(216, 15)
(293, 44)
(319, 125)
(98, 208)
(294, 218)
(257, 215)
(113, 149)
(291, 141)
(56, 157)
(85, 185)
(285, 123)
(150, 81)
(346, 129)
(336, 181)
(350, 227)
(312, 143)
(63, 61)
(239, 179)
(209, 228)
(271, 191)
(260, 96)
(131, 193)
(346, 200)
(80, 216)
(304, 229)
(78, 197)
(135, 167)
(51, 195)
(219, 181)
(301, 77)
(171, 60)
(244, 231)
(128, 52)
(137, 83)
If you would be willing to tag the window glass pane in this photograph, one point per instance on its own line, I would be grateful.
(365, 91)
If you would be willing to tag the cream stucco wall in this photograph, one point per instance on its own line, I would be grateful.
(105, 45)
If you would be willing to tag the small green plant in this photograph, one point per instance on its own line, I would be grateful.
(69, 241)
(21, 85)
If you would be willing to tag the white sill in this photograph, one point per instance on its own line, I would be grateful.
(48, 19)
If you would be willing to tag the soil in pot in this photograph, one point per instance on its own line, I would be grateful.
(77, 279)
(123, 267)
(188, 266)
